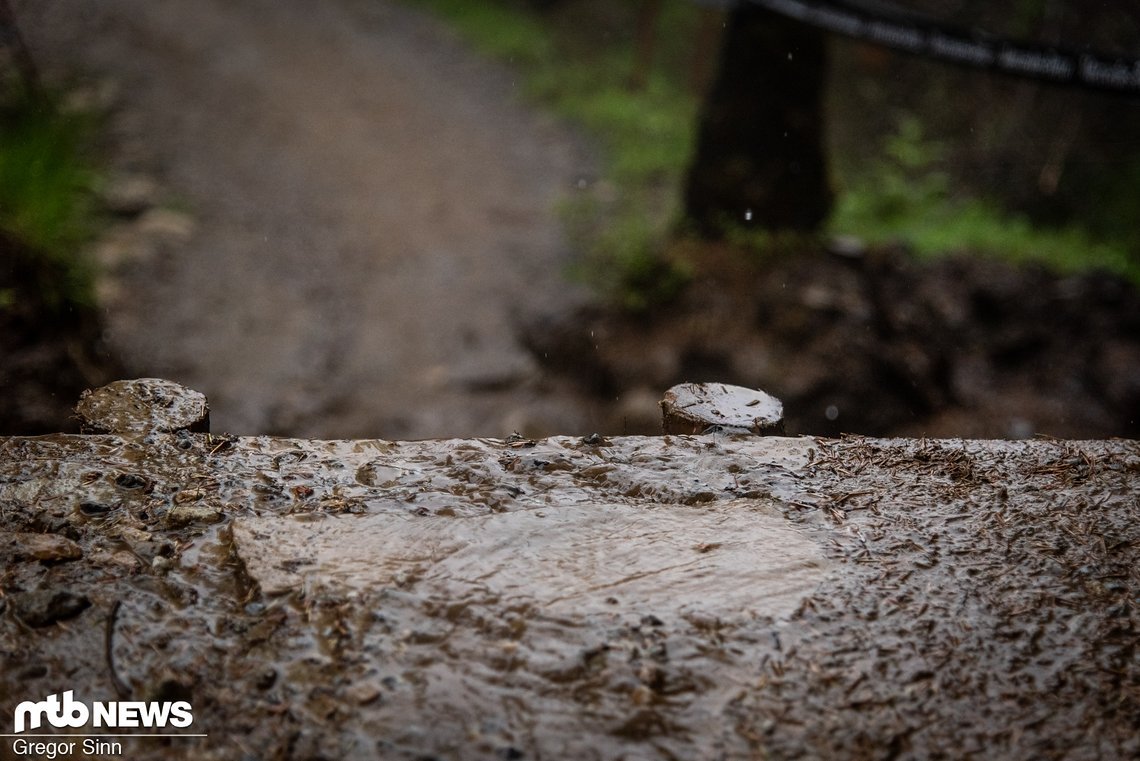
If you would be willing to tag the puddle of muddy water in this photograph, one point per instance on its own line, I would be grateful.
(720, 561)
(646, 618)
(564, 630)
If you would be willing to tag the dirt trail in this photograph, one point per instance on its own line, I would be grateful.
(373, 208)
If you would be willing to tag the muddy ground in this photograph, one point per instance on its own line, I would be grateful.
(340, 223)
(951, 598)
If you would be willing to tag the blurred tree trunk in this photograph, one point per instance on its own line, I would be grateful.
(760, 153)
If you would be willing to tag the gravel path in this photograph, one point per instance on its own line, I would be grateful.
(373, 210)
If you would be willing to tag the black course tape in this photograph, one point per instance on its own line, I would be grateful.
(1092, 70)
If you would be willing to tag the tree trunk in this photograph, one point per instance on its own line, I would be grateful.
(760, 158)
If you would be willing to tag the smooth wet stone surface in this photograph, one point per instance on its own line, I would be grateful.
(721, 561)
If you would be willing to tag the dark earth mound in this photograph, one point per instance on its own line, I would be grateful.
(48, 353)
(877, 344)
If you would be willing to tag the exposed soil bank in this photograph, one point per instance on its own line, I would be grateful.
(876, 344)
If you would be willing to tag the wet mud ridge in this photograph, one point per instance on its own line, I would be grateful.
(682, 596)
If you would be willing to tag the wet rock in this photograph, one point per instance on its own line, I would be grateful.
(133, 481)
(44, 607)
(122, 559)
(377, 474)
(694, 408)
(192, 513)
(363, 693)
(45, 547)
(146, 550)
(594, 440)
(93, 509)
(141, 406)
(133, 535)
(266, 678)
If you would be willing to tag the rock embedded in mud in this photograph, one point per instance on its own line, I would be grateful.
(695, 408)
(363, 693)
(192, 513)
(48, 548)
(143, 405)
(44, 607)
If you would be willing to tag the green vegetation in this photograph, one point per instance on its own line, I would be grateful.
(579, 67)
(582, 73)
(47, 208)
(905, 197)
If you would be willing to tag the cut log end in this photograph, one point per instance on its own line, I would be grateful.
(695, 408)
(143, 405)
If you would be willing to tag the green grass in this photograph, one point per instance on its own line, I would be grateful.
(979, 228)
(46, 201)
(646, 134)
(905, 198)
(581, 73)
(497, 30)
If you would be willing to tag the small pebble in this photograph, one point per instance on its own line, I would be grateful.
(192, 513)
(362, 693)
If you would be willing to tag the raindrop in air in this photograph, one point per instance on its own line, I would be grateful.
(832, 412)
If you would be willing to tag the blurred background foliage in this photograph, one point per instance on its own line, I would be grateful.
(50, 334)
(926, 160)
(48, 177)
(938, 158)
